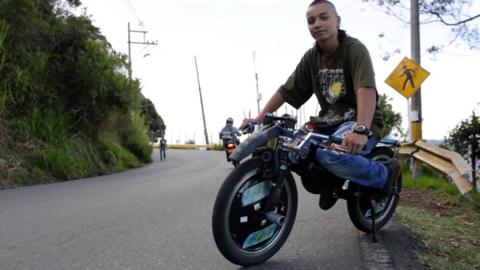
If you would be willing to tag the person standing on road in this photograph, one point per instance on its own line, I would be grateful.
(163, 149)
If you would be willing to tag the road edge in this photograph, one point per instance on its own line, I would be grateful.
(396, 248)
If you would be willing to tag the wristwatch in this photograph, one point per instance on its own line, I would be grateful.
(362, 129)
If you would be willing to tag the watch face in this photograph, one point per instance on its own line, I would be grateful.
(360, 129)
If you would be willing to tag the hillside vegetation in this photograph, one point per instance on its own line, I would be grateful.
(67, 106)
(447, 224)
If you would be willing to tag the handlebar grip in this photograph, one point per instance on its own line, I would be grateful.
(250, 128)
(366, 149)
(336, 139)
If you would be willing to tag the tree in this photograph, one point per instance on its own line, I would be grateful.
(465, 139)
(152, 119)
(392, 120)
(457, 15)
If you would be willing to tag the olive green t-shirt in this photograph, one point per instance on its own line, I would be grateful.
(334, 83)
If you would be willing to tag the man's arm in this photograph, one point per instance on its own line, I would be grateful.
(366, 103)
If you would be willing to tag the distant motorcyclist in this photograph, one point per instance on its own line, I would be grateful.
(229, 133)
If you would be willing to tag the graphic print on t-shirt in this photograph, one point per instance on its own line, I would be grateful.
(333, 89)
(332, 85)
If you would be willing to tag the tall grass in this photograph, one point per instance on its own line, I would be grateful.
(433, 180)
(451, 233)
(122, 146)
(115, 156)
(3, 93)
(134, 137)
(62, 160)
(47, 125)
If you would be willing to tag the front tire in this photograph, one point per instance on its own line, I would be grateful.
(234, 225)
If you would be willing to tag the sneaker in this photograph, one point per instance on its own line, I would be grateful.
(326, 201)
(394, 172)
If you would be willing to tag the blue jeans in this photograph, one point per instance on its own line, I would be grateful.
(356, 168)
(163, 151)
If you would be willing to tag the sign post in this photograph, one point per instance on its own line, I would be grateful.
(406, 79)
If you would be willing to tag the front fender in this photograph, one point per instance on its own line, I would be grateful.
(255, 140)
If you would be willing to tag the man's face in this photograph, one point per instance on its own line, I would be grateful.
(322, 22)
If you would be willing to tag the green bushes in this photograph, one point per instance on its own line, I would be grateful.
(218, 147)
(120, 145)
(61, 160)
(66, 93)
(115, 156)
(430, 180)
(136, 140)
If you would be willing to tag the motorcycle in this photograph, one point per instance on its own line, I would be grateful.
(230, 144)
(256, 206)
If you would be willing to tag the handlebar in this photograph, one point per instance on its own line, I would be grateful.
(325, 139)
(250, 128)
(288, 120)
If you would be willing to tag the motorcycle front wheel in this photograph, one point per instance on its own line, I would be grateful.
(244, 231)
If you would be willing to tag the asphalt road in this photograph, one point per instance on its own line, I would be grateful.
(159, 217)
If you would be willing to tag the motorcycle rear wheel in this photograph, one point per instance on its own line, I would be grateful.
(359, 208)
(234, 225)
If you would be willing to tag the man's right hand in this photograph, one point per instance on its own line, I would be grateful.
(246, 122)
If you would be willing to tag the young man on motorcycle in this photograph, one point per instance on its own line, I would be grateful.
(339, 71)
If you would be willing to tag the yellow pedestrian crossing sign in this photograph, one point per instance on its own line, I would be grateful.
(407, 77)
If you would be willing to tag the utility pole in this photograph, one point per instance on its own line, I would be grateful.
(201, 102)
(259, 96)
(416, 99)
(144, 42)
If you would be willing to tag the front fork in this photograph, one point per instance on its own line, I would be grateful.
(278, 173)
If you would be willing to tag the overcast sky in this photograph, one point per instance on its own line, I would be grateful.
(223, 34)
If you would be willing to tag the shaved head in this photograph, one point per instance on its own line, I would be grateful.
(316, 2)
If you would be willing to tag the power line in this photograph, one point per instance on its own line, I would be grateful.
(134, 11)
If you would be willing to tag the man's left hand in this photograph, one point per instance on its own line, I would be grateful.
(354, 142)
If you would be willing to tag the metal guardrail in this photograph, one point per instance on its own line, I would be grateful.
(448, 162)
(192, 146)
(188, 146)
